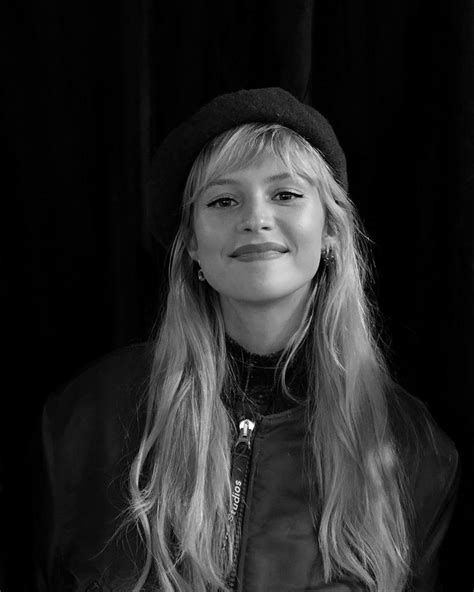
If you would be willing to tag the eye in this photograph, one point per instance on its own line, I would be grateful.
(288, 195)
(221, 202)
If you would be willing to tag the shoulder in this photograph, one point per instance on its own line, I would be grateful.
(108, 387)
(417, 435)
(430, 464)
(90, 432)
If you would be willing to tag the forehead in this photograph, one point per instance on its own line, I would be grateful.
(267, 168)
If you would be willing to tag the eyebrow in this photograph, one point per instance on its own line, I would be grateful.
(277, 177)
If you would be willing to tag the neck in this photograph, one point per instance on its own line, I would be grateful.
(263, 328)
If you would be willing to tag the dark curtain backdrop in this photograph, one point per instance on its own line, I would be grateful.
(88, 91)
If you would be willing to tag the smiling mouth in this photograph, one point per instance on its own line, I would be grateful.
(262, 255)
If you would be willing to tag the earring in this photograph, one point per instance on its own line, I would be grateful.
(327, 256)
(201, 277)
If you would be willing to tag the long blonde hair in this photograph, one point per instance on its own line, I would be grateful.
(179, 484)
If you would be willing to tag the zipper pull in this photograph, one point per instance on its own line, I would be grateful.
(246, 427)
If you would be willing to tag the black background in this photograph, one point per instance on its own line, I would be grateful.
(88, 91)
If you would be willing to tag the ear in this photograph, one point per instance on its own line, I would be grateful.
(191, 246)
(328, 241)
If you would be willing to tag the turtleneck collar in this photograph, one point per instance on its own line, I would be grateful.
(259, 390)
(247, 358)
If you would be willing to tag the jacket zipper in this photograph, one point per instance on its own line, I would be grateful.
(240, 473)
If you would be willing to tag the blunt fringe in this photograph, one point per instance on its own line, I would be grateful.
(178, 497)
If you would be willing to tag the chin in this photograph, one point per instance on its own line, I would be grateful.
(263, 294)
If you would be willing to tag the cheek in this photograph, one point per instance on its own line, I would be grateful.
(210, 240)
(308, 242)
(308, 232)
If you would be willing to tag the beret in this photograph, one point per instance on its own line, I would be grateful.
(175, 156)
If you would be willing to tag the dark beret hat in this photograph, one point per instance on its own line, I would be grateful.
(175, 156)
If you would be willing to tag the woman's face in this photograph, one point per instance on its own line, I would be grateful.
(248, 208)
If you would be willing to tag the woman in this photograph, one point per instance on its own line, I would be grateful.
(258, 443)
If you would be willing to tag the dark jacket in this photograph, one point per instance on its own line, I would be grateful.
(90, 432)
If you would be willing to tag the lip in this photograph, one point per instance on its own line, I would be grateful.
(259, 248)
(263, 256)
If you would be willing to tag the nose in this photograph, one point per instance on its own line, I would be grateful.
(256, 215)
